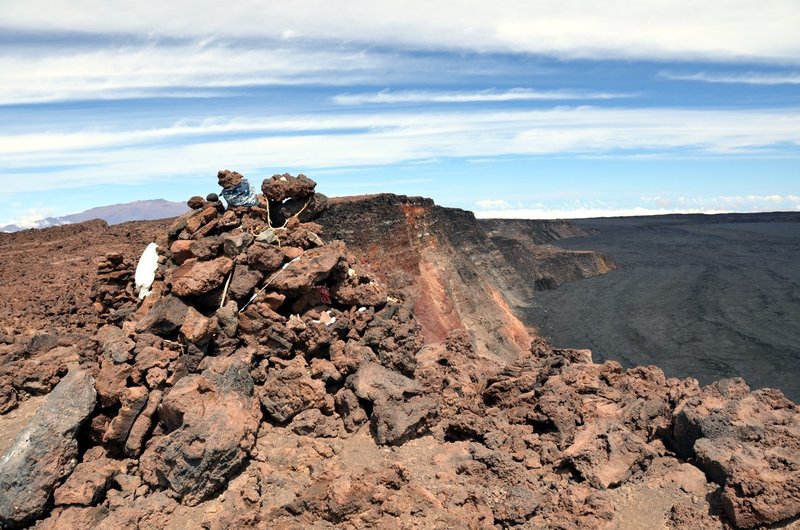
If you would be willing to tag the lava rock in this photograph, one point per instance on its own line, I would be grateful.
(210, 421)
(46, 450)
(281, 187)
(195, 278)
(164, 318)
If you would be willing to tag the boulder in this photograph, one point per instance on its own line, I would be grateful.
(281, 187)
(394, 422)
(264, 257)
(290, 390)
(210, 422)
(309, 269)
(46, 450)
(195, 278)
(749, 443)
(164, 318)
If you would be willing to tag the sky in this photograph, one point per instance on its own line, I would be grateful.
(536, 108)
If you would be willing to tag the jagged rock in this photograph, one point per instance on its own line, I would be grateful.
(205, 248)
(311, 268)
(606, 457)
(133, 401)
(164, 318)
(395, 422)
(235, 244)
(316, 425)
(194, 278)
(264, 257)
(354, 293)
(228, 179)
(303, 209)
(8, 397)
(349, 409)
(45, 451)
(210, 421)
(196, 329)
(140, 428)
(374, 382)
(748, 442)
(91, 478)
(181, 250)
(291, 390)
(281, 187)
(244, 282)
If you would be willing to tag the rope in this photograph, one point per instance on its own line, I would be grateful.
(271, 279)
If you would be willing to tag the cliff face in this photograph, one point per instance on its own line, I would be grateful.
(460, 271)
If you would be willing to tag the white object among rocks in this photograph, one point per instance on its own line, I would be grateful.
(146, 270)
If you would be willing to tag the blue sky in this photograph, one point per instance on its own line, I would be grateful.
(521, 109)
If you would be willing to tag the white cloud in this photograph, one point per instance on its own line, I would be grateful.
(750, 78)
(492, 204)
(681, 29)
(166, 70)
(94, 156)
(31, 219)
(697, 205)
(429, 96)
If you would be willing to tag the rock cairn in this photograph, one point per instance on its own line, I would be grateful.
(253, 318)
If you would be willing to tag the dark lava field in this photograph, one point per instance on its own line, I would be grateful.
(699, 296)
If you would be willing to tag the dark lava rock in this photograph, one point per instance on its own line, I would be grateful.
(46, 450)
(211, 421)
(165, 317)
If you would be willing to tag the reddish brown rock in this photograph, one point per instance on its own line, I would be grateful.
(210, 421)
(89, 481)
(142, 425)
(310, 268)
(228, 179)
(133, 401)
(195, 278)
(281, 187)
(196, 328)
(196, 202)
(291, 390)
(748, 442)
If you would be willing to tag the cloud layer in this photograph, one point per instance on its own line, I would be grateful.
(713, 29)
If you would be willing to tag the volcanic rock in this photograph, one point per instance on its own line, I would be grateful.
(164, 318)
(45, 451)
(90, 479)
(210, 421)
(194, 278)
(749, 443)
(311, 268)
(282, 187)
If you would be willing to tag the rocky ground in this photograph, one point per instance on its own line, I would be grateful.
(272, 380)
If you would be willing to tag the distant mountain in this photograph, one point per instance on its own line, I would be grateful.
(114, 214)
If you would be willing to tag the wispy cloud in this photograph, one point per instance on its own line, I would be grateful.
(749, 78)
(480, 96)
(352, 139)
(567, 28)
(183, 69)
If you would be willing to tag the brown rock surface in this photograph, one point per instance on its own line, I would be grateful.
(322, 405)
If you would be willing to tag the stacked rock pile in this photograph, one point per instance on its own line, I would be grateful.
(253, 317)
